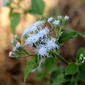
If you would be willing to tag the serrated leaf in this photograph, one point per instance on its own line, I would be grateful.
(15, 19)
(50, 64)
(7, 2)
(71, 69)
(30, 65)
(38, 6)
(67, 36)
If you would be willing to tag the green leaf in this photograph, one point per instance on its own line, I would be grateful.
(50, 64)
(38, 6)
(82, 71)
(15, 19)
(83, 2)
(80, 54)
(59, 79)
(71, 69)
(47, 83)
(7, 2)
(30, 65)
(65, 36)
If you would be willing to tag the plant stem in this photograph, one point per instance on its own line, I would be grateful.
(60, 58)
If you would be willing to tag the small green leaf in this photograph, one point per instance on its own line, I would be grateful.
(50, 64)
(7, 2)
(30, 65)
(38, 6)
(71, 69)
(65, 36)
(15, 19)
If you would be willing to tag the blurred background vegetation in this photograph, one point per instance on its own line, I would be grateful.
(16, 15)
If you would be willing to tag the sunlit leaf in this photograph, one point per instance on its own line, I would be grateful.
(30, 65)
(71, 69)
(15, 19)
(38, 6)
(50, 64)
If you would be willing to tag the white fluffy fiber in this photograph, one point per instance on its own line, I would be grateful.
(33, 27)
(41, 38)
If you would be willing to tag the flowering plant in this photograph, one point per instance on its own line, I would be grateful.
(42, 41)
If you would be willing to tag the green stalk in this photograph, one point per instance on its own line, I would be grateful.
(60, 58)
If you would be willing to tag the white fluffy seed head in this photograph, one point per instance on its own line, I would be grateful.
(66, 17)
(33, 27)
(50, 19)
(59, 17)
(43, 32)
(42, 51)
(32, 39)
(51, 44)
(39, 37)
(18, 45)
(56, 22)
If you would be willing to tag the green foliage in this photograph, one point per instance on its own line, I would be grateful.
(15, 19)
(80, 58)
(7, 2)
(50, 64)
(59, 79)
(30, 66)
(47, 83)
(37, 6)
(84, 2)
(71, 69)
(65, 36)
(40, 75)
(82, 71)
